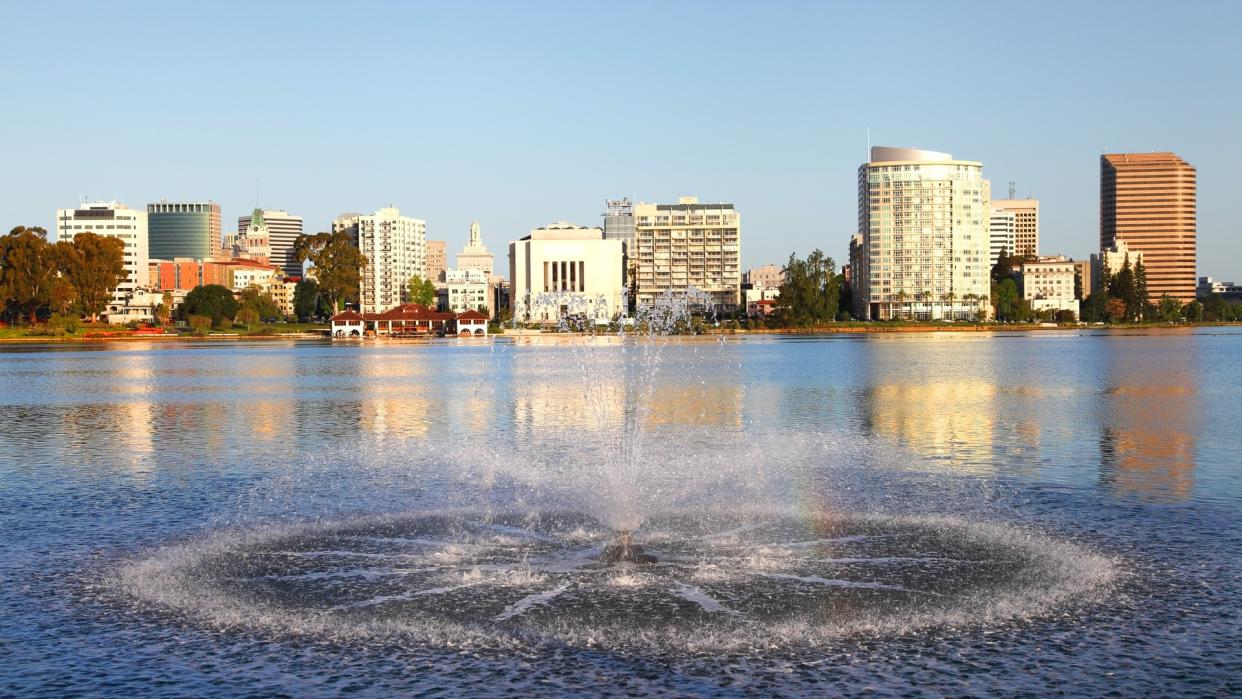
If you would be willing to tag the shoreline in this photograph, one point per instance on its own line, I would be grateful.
(819, 330)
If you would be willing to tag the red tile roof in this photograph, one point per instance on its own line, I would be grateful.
(347, 315)
(410, 311)
(471, 314)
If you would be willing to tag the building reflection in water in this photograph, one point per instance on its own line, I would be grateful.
(933, 396)
(598, 387)
(1149, 418)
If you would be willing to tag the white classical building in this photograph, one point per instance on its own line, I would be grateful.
(395, 248)
(475, 255)
(1048, 283)
(464, 289)
(112, 220)
(561, 270)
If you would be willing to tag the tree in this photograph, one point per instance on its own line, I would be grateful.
(29, 266)
(1093, 307)
(94, 265)
(213, 301)
(338, 265)
(259, 301)
(1193, 312)
(305, 299)
(810, 293)
(1169, 310)
(1005, 299)
(200, 324)
(247, 316)
(422, 291)
(1115, 310)
(163, 311)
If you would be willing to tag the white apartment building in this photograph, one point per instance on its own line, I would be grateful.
(924, 221)
(688, 244)
(465, 290)
(112, 220)
(561, 269)
(475, 255)
(1025, 224)
(395, 248)
(281, 229)
(1048, 284)
(1003, 232)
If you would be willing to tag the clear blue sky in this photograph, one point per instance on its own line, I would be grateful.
(518, 114)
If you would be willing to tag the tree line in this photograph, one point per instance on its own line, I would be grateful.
(65, 277)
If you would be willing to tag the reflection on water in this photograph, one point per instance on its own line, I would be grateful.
(1123, 412)
(1149, 421)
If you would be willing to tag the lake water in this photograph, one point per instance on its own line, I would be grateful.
(949, 513)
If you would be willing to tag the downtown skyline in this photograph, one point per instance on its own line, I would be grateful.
(517, 131)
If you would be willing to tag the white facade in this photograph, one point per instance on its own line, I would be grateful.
(475, 255)
(688, 244)
(1110, 262)
(1003, 231)
(112, 220)
(464, 290)
(1048, 283)
(561, 270)
(395, 248)
(925, 220)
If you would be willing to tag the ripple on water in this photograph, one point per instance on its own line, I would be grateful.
(721, 583)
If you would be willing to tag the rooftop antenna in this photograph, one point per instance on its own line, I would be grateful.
(1012, 188)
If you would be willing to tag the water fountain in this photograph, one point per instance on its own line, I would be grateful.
(649, 537)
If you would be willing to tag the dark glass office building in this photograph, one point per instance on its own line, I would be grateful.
(183, 229)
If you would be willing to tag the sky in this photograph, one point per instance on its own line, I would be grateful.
(522, 113)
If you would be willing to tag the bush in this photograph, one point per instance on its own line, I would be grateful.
(200, 324)
(64, 324)
(133, 325)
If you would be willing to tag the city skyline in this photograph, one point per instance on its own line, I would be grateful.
(521, 130)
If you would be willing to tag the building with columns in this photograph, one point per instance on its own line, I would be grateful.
(566, 270)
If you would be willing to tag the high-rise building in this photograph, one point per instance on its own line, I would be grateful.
(688, 244)
(395, 248)
(437, 260)
(619, 220)
(924, 218)
(282, 230)
(1002, 233)
(565, 270)
(1148, 201)
(1025, 224)
(184, 229)
(348, 224)
(112, 220)
(475, 254)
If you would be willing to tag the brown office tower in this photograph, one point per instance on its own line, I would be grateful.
(1147, 200)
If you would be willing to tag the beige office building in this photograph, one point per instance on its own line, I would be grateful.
(437, 260)
(1147, 200)
(1025, 224)
(924, 218)
(475, 255)
(688, 244)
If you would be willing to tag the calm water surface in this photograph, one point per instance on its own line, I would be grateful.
(1124, 446)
